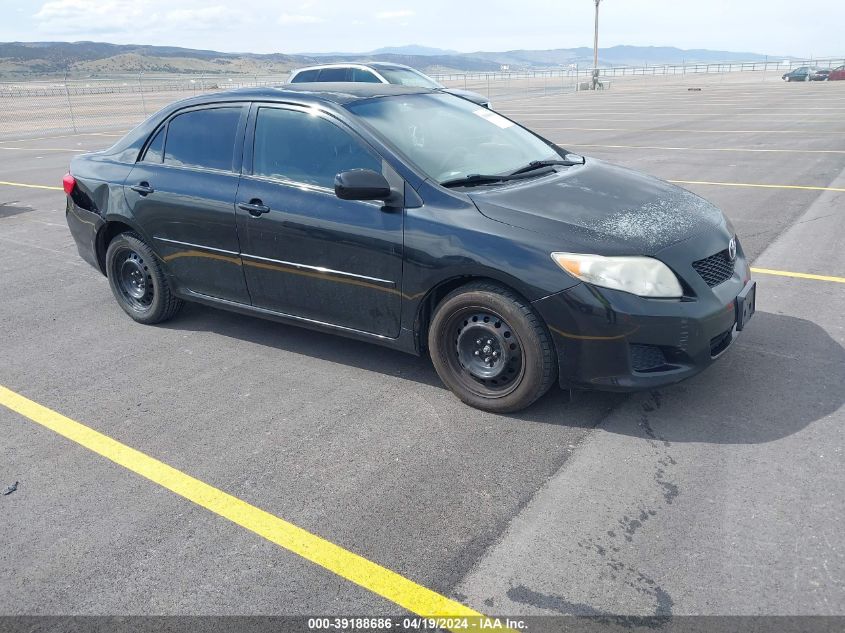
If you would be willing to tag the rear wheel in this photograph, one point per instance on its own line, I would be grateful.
(491, 349)
(138, 282)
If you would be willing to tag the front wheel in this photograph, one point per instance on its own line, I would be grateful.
(138, 282)
(491, 349)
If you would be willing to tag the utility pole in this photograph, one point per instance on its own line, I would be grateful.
(596, 48)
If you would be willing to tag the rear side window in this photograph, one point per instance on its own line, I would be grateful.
(334, 74)
(155, 150)
(203, 138)
(361, 75)
(305, 76)
(301, 147)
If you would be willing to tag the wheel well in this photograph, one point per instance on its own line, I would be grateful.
(435, 296)
(104, 238)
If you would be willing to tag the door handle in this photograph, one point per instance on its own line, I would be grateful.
(254, 207)
(143, 188)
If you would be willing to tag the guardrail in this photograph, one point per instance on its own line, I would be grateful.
(135, 84)
(643, 71)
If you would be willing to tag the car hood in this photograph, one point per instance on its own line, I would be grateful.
(601, 208)
(469, 95)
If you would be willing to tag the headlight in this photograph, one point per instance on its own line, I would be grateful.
(643, 276)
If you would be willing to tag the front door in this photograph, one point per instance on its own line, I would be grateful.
(305, 252)
(182, 192)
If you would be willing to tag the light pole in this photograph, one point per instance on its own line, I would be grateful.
(596, 48)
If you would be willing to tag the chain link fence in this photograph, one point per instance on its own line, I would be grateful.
(36, 108)
(30, 109)
(504, 85)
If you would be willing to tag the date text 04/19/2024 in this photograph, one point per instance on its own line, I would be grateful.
(415, 623)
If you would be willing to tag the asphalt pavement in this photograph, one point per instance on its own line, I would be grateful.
(721, 495)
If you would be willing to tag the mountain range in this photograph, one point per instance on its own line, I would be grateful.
(23, 59)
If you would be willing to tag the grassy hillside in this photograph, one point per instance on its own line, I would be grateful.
(81, 59)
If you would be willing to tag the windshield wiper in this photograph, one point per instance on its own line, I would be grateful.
(474, 179)
(569, 161)
(487, 179)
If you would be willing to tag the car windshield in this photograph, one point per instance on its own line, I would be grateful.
(406, 77)
(450, 138)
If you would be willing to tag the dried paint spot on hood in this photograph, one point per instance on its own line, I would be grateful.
(674, 217)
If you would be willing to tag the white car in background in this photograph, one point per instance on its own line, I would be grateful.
(379, 72)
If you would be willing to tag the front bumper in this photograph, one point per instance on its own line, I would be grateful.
(615, 341)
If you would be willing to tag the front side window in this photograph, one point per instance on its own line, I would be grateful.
(303, 147)
(407, 77)
(365, 76)
(448, 137)
(203, 138)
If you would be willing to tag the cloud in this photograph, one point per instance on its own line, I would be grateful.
(69, 16)
(394, 15)
(202, 17)
(127, 16)
(287, 18)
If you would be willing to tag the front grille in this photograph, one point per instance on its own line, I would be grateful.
(715, 269)
(646, 357)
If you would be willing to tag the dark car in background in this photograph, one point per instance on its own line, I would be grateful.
(380, 72)
(837, 74)
(807, 73)
(419, 221)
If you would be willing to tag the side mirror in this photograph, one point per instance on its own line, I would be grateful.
(361, 184)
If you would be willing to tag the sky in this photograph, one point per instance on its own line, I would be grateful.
(769, 27)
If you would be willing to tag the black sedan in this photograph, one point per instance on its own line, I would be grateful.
(807, 73)
(419, 221)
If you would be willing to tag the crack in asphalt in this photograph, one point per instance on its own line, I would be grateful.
(607, 547)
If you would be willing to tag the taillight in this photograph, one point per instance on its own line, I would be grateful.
(68, 182)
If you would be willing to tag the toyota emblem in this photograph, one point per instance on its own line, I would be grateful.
(732, 249)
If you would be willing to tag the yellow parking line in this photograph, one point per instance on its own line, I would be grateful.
(23, 184)
(686, 131)
(551, 117)
(365, 573)
(786, 273)
(753, 184)
(709, 149)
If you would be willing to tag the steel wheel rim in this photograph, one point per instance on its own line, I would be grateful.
(133, 280)
(485, 354)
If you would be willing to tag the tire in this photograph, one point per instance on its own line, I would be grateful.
(491, 348)
(138, 282)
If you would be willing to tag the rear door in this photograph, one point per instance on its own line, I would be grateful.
(306, 252)
(182, 192)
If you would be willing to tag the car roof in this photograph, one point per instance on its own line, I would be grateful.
(340, 93)
(389, 65)
(306, 94)
(370, 65)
